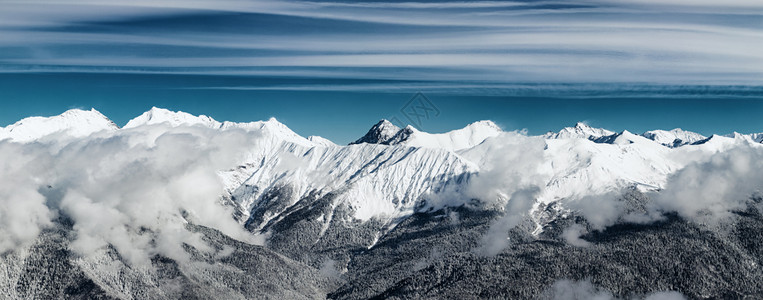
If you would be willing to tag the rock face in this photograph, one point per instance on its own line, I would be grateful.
(380, 133)
(386, 133)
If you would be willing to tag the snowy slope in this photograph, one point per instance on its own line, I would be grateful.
(758, 137)
(580, 167)
(374, 180)
(576, 167)
(274, 131)
(623, 138)
(718, 143)
(320, 141)
(673, 138)
(755, 137)
(580, 130)
(74, 122)
(163, 116)
(387, 133)
(459, 139)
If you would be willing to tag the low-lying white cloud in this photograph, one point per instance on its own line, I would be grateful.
(518, 206)
(577, 290)
(708, 190)
(572, 235)
(599, 210)
(509, 177)
(134, 189)
(23, 209)
(585, 290)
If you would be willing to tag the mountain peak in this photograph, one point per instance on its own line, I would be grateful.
(410, 128)
(173, 118)
(380, 133)
(674, 138)
(320, 141)
(485, 124)
(74, 122)
(385, 122)
(580, 130)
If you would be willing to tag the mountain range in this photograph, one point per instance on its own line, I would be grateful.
(398, 213)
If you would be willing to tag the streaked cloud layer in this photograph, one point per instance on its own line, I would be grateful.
(637, 41)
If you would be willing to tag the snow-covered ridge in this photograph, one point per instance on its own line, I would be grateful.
(73, 122)
(79, 123)
(318, 140)
(473, 134)
(623, 138)
(673, 138)
(273, 128)
(580, 130)
(163, 116)
(459, 139)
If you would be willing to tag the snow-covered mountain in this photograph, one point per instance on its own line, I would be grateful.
(318, 140)
(467, 137)
(580, 130)
(163, 116)
(754, 137)
(275, 131)
(757, 137)
(380, 133)
(386, 133)
(673, 138)
(74, 122)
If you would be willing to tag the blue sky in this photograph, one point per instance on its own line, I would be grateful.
(333, 68)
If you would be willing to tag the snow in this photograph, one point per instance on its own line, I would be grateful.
(755, 137)
(321, 141)
(467, 137)
(580, 130)
(673, 138)
(271, 128)
(387, 133)
(74, 123)
(623, 138)
(580, 167)
(369, 178)
(164, 116)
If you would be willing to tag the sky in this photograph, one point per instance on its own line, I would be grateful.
(334, 68)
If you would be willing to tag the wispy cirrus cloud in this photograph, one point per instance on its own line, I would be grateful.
(541, 41)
